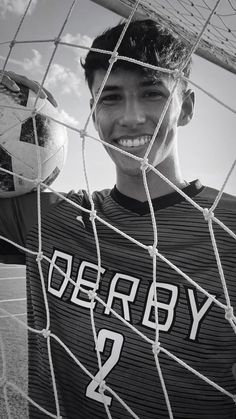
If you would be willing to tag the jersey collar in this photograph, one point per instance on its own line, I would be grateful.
(162, 202)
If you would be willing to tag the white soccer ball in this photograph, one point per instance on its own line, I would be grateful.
(21, 150)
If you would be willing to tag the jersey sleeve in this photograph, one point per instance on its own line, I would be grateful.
(17, 217)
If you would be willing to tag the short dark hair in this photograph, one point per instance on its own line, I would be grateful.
(144, 40)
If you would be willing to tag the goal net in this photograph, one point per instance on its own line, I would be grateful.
(209, 29)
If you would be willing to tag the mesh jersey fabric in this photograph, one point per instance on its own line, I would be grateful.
(192, 327)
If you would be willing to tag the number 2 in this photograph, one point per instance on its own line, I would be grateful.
(108, 365)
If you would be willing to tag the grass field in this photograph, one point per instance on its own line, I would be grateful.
(14, 338)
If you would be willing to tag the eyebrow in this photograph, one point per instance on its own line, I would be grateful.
(144, 83)
(151, 82)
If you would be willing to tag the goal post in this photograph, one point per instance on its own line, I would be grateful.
(218, 42)
(116, 6)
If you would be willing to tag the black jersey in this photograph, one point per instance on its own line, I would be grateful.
(192, 326)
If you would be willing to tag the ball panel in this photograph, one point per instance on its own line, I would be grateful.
(6, 179)
(27, 134)
(50, 179)
(19, 151)
(49, 174)
(22, 97)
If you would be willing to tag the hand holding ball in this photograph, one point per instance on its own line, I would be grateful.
(27, 150)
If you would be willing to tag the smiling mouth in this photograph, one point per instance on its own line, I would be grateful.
(134, 142)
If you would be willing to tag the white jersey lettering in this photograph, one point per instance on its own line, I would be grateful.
(196, 314)
(125, 298)
(109, 364)
(84, 283)
(169, 307)
(124, 289)
(57, 282)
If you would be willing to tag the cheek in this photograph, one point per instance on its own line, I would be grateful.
(98, 122)
(102, 123)
(169, 124)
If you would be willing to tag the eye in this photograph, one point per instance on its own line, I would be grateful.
(153, 94)
(109, 99)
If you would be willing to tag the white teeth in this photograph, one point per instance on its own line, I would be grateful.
(134, 142)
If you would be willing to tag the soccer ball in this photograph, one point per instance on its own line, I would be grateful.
(24, 149)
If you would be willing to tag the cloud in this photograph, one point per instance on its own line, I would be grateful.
(16, 6)
(11, 60)
(34, 63)
(63, 78)
(59, 76)
(78, 39)
(68, 119)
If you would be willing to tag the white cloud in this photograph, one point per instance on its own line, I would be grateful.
(33, 64)
(78, 39)
(16, 6)
(11, 60)
(68, 119)
(63, 78)
(59, 77)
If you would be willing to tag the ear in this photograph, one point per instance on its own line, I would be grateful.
(187, 108)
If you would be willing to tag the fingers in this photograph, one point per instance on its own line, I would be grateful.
(50, 97)
(8, 82)
(10, 79)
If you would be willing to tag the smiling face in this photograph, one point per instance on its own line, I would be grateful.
(128, 112)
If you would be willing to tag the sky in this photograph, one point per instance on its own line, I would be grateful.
(207, 145)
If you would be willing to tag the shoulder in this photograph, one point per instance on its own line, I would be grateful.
(20, 214)
(82, 197)
(29, 203)
(100, 196)
(224, 211)
(227, 201)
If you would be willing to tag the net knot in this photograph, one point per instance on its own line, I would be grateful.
(102, 386)
(39, 257)
(156, 347)
(229, 313)
(92, 294)
(57, 40)
(83, 133)
(93, 215)
(12, 43)
(113, 58)
(37, 182)
(208, 214)
(177, 73)
(152, 251)
(34, 111)
(46, 333)
(144, 164)
(3, 381)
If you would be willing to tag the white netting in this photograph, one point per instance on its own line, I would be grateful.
(204, 15)
(186, 17)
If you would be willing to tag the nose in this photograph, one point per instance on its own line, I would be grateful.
(132, 114)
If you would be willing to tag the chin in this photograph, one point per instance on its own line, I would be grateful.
(130, 170)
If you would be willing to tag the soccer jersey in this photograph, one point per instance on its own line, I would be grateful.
(192, 326)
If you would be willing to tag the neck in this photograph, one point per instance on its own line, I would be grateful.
(133, 186)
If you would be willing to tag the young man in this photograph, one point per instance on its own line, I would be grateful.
(192, 326)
